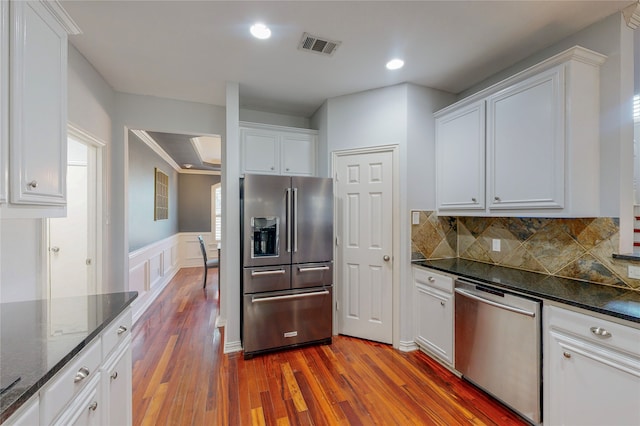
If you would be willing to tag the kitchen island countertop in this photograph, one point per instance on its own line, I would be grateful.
(39, 337)
(612, 301)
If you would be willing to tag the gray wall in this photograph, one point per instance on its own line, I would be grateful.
(143, 229)
(194, 202)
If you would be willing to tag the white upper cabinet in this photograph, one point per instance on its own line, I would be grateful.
(37, 113)
(277, 150)
(460, 142)
(4, 97)
(525, 143)
(535, 136)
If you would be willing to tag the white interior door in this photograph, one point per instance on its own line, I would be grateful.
(71, 241)
(364, 194)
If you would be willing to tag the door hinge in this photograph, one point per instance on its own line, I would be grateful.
(88, 262)
(337, 241)
(337, 309)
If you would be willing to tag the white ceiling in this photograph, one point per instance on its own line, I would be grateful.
(188, 50)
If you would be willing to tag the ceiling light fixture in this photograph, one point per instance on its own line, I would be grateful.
(260, 31)
(187, 165)
(395, 64)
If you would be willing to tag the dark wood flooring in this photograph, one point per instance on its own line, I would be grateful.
(181, 376)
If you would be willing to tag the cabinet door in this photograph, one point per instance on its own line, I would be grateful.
(117, 377)
(27, 415)
(38, 145)
(525, 143)
(587, 384)
(260, 152)
(4, 96)
(298, 154)
(460, 154)
(86, 409)
(434, 314)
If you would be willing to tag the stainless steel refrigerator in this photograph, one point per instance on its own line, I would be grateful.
(287, 261)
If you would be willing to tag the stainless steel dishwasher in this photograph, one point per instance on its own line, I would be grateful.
(498, 345)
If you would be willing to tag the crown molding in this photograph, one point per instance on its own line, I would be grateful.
(61, 15)
(151, 143)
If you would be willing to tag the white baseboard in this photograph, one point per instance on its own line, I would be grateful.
(408, 346)
(230, 347)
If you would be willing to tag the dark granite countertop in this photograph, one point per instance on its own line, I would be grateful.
(37, 339)
(612, 301)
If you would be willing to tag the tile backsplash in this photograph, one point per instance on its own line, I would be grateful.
(572, 248)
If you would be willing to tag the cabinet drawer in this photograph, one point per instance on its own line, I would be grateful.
(432, 279)
(594, 329)
(86, 409)
(70, 380)
(266, 278)
(117, 331)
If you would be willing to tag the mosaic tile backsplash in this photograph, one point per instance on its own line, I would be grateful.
(572, 248)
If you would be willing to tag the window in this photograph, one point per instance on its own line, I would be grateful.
(216, 210)
(636, 108)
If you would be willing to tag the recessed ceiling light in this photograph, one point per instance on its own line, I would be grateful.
(260, 31)
(395, 64)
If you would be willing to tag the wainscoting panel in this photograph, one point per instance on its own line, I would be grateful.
(152, 267)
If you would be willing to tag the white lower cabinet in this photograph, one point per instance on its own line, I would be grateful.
(86, 408)
(592, 370)
(94, 387)
(434, 313)
(116, 380)
(27, 415)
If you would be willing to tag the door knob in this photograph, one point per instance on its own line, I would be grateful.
(386, 258)
(55, 249)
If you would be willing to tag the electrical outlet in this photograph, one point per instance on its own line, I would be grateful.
(634, 272)
(415, 218)
(495, 244)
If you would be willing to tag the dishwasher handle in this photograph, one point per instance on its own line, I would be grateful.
(470, 295)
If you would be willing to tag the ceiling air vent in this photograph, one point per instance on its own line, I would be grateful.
(317, 44)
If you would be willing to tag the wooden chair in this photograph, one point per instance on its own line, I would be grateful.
(213, 263)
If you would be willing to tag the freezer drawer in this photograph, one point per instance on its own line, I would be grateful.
(282, 319)
(266, 278)
(312, 275)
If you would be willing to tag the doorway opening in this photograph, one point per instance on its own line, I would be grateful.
(74, 242)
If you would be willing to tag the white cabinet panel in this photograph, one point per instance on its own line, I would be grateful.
(460, 153)
(38, 79)
(541, 134)
(591, 377)
(4, 98)
(298, 154)
(525, 143)
(277, 150)
(260, 151)
(434, 313)
(117, 378)
(27, 415)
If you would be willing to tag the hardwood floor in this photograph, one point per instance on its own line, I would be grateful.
(181, 376)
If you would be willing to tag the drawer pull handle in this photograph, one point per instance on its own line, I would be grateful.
(276, 272)
(473, 200)
(600, 332)
(442, 304)
(93, 406)
(289, 296)
(33, 184)
(314, 269)
(82, 374)
(114, 375)
(121, 329)
(566, 355)
(431, 279)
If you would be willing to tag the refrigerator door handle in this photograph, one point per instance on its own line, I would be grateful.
(294, 225)
(288, 220)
